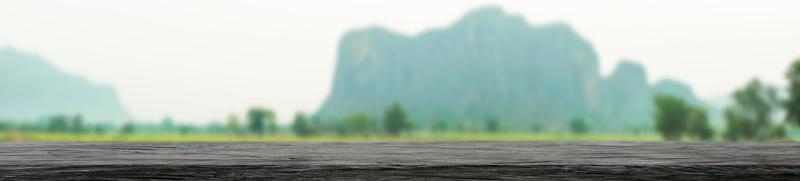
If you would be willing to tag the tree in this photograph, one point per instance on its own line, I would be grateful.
(698, 124)
(359, 123)
(255, 117)
(99, 129)
(167, 124)
(793, 104)
(578, 126)
(492, 126)
(58, 123)
(670, 116)
(65, 124)
(259, 116)
(750, 116)
(394, 120)
(186, 129)
(75, 124)
(777, 132)
(301, 126)
(272, 124)
(738, 127)
(232, 124)
(536, 128)
(3, 125)
(439, 126)
(215, 127)
(127, 128)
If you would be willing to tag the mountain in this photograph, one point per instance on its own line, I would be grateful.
(487, 64)
(30, 88)
(627, 96)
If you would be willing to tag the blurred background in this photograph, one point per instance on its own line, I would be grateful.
(475, 70)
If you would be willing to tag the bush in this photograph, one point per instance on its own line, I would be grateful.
(698, 125)
(492, 126)
(578, 126)
(394, 120)
(301, 126)
(750, 116)
(670, 116)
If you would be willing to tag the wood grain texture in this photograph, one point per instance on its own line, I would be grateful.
(401, 160)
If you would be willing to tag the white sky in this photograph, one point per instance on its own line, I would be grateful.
(200, 60)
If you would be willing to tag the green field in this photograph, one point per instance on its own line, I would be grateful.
(59, 137)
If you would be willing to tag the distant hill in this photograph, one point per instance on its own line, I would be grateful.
(30, 88)
(627, 97)
(488, 64)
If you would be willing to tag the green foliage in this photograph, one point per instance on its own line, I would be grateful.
(301, 126)
(169, 137)
(675, 118)
(186, 129)
(360, 122)
(777, 132)
(738, 127)
(637, 129)
(670, 116)
(356, 124)
(578, 126)
(395, 120)
(492, 125)
(698, 125)
(793, 104)
(57, 124)
(232, 124)
(216, 127)
(757, 101)
(439, 126)
(128, 128)
(273, 126)
(4, 126)
(536, 128)
(99, 129)
(258, 117)
(750, 117)
(65, 124)
(75, 124)
(167, 124)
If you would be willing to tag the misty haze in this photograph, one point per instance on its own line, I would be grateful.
(488, 73)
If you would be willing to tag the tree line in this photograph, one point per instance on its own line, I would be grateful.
(394, 122)
(257, 121)
(753, 115)
(750, 117)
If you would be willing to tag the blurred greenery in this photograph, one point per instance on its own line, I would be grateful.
(395, 120)
(749, 118)
(675, 118)
(670, 116)
(171, 137)
(491, 76)
(579, 126)
(698, 126)
(257, 118)
(301, 126)
(792, 105)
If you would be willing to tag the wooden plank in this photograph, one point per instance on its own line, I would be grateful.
(401, 160)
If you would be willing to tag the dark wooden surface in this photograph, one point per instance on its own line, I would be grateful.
(404, 160)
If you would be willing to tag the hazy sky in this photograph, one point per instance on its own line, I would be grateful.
(200, 60)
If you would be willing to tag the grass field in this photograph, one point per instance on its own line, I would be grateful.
(55, 137)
